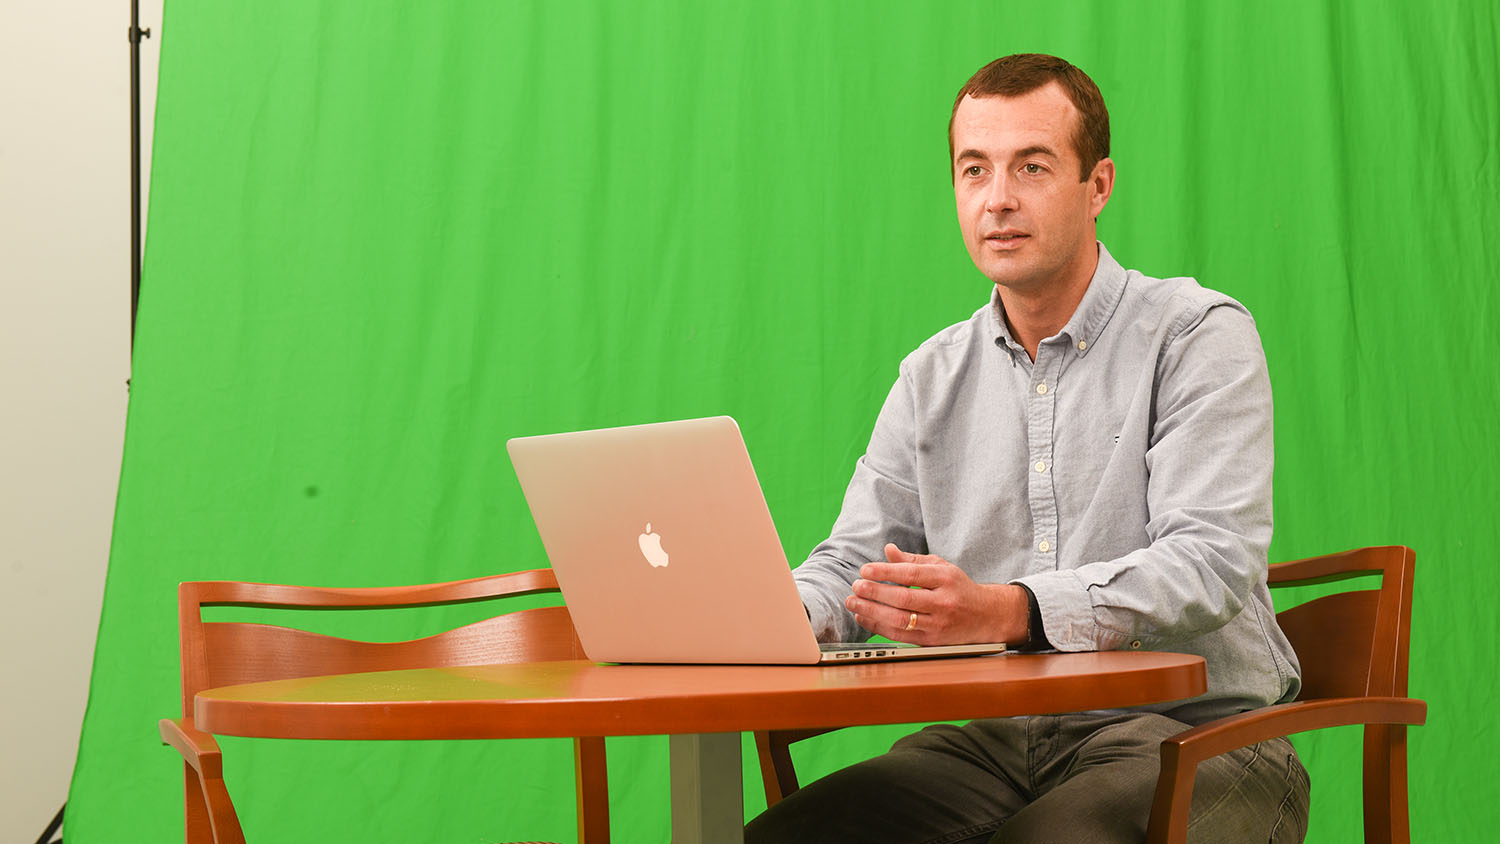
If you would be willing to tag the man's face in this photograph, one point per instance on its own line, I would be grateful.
(1026, 218)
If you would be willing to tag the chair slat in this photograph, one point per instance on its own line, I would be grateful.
(252, 653)
(1333, 636)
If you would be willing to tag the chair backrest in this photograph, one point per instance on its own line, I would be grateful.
(1351, 643)
(227, 653)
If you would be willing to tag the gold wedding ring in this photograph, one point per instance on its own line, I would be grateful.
(911, 623)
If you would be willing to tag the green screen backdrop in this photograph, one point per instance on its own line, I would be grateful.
(386, 236)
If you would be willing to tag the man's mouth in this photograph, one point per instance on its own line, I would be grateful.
(1005, 239)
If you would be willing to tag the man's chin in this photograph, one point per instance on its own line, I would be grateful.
(1010, 274)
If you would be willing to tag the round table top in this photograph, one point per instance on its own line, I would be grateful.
(579, 698)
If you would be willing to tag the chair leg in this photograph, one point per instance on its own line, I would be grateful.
(199, 830)
(591, 779)
(1174, 796)
(1387, 816)
(209, 813)
(221, 811)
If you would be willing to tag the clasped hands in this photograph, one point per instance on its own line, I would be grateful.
(949, 607)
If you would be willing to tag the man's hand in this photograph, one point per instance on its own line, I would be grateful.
(950, 608)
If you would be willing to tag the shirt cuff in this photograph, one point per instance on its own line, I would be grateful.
(824, 622)
(1067, 607)
(1036, 639)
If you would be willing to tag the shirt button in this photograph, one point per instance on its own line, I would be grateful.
(1083, 345)
(1136, 645)
(1041, 389)
(1041, 466)
(1045, 546)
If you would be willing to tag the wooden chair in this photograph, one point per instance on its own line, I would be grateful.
(229, 653)
(1353, 646)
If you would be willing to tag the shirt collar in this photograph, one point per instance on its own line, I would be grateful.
(1082, 330)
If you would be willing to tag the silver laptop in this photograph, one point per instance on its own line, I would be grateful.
(665, 550)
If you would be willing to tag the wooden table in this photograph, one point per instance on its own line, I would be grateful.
(702, 707)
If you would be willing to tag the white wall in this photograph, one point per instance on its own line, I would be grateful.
(64, 361)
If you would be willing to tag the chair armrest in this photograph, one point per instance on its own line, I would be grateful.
(198, 748)
(1235, 731)
(787, 737)
(1182, 753)
(776, 770)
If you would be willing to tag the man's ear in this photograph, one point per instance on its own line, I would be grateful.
(1101, 186)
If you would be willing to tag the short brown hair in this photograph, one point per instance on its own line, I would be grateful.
(1023, 73)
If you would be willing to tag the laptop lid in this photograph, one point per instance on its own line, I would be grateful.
(663, 545)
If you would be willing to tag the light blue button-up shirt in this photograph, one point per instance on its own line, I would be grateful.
(1124, 477)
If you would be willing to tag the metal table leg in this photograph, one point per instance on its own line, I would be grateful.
(708, 798)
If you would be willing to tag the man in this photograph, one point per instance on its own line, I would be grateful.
(1085, 464)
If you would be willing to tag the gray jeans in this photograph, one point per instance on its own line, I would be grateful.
(1056, 778)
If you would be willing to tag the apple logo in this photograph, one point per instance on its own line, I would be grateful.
(651, 547)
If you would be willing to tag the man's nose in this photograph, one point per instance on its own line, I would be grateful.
(1001, 195)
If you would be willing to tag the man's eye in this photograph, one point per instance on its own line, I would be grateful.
(973, 170)
(1032, 169)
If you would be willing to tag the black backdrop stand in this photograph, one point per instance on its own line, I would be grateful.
(135, 34)
(52, 829)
